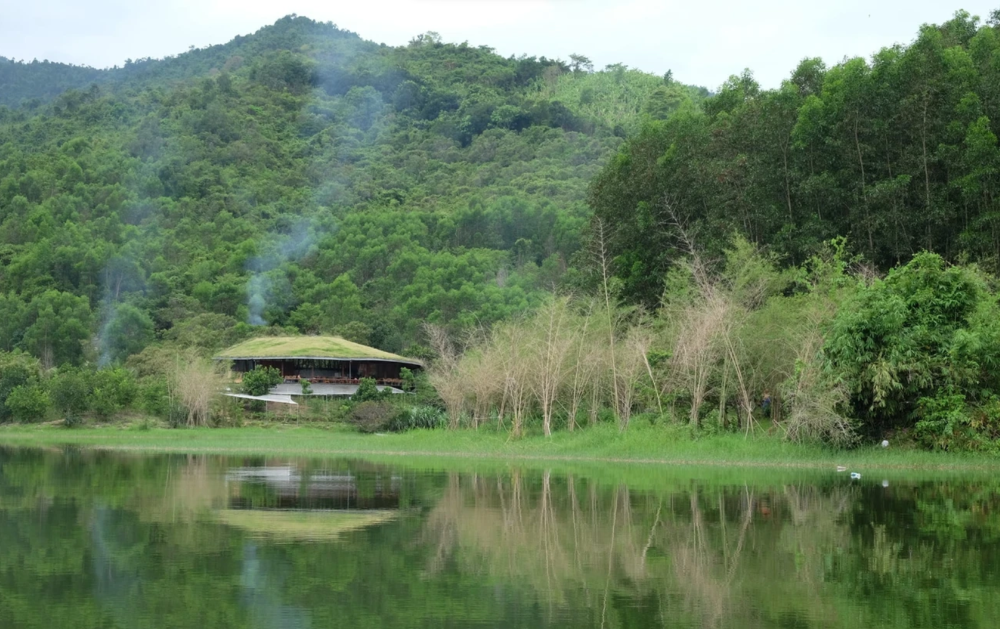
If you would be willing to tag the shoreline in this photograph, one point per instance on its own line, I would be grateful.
(651, 447)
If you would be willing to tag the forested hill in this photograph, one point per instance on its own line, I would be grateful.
(298, 177)
(29, 85)
(898, 153)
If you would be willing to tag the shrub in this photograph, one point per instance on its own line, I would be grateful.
(261, 380)
(177, 415)
(16, 369)
(154, 396)
(28, 403)
(368, 392)
(944, 422)
(409, 380)
(72, 421)
(112, 391)
(369, 417)
(927, 327)
(69, 389)
(815, 400)
(197, 382)
(418, 417)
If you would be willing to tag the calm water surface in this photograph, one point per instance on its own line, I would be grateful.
(133, 541)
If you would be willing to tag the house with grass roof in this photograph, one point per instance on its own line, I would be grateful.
(332, 365)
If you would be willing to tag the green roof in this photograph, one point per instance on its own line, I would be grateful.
(307, 347)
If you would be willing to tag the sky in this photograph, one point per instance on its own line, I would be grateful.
(702, 42)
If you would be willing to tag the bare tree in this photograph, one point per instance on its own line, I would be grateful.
(697, 349)
(603, 261)
(444, 373)
(197, 382)
(507, 342)
(630, 366)
(480, 372)
(550, 345)
(583, 367)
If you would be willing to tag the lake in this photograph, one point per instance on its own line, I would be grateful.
(100, 540)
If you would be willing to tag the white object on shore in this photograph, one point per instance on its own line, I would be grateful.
(855, 475)
(885, 443)
(841, 468)
(885, 483)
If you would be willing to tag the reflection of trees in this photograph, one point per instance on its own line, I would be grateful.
(717, 557)
(101, 540)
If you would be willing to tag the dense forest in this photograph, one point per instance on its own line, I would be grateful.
(298, 177)
(564, 245)
(898, 153)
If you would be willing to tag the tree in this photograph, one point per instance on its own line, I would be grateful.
(928, 330)
(58, 326)
(196, 383)
(580, 63)
(260, 380)
(69, 389)
(369, 392)
(17, 369)
(127, 332)
(343, 306)
(551, 341)
(111, 391)
(430, 38)
(28, 403)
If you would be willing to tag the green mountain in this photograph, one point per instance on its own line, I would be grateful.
(299, 177)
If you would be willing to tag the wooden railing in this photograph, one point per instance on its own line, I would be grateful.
(392, 382)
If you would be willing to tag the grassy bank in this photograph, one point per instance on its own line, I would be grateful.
(641, 445)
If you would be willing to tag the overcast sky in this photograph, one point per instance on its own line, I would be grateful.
(703, 42)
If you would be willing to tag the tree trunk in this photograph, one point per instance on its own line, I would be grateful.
(864, 189)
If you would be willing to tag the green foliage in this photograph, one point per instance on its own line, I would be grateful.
(57, 325)
(368, 391)
(916, 347)
(261, 380)
(17, 370)
(943, 419)
(72, 421)
(899, 154)
(306, 387)
(418, 417)
(409, 379)
(300, 176)
(111, 391)
(154, 396)
(127, 332)
(69, 389)
(28, 403)
(284, 71)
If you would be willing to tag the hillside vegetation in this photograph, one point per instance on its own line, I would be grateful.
(299, 177)
(898, 153)
(562, 248)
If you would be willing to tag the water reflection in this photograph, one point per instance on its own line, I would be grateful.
(111, 540)
(287, 487)
(285, 503)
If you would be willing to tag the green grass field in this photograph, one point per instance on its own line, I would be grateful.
(602, 445)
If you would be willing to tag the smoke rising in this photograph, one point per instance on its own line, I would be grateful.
(123, 276)
(285, 248)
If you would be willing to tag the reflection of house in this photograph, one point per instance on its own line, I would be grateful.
(332, 365)
(287, 488)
